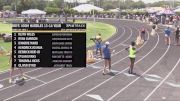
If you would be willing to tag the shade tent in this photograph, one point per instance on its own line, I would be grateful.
(87, 8)
(114, 10)
(178, 7)
(177, 10)
(154, 9)
(166, 12)
(33, 12)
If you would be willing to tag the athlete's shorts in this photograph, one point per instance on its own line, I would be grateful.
(98, 46)
(107, 58)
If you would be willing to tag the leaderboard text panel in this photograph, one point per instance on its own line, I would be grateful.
(49, 45)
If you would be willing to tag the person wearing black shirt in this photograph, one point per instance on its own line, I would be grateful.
(143, 32)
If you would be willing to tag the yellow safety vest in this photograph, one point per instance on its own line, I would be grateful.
(132, 53)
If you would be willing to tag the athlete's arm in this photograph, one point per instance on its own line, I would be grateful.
(127, 49)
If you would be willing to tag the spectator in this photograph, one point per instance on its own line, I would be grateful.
(167, 33)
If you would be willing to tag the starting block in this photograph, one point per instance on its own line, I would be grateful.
(90, 57)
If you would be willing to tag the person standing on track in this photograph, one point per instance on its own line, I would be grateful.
(143, 32)
(153, 32)
(177, 35)
(98, 42)
(107, 58)
(12, 69)
(132, 55)
(167, 33)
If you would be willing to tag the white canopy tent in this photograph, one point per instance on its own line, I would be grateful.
(177, 10)
(154, 9)
(87, 8)
(166, 11)
(177, 7)
(114, 10)
(33, 12)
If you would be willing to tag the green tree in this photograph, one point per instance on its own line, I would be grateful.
(2, 3)
(59, 3)
(25, 5)
(51, 10)
(158, 4)
(40, 4)
(52, 6)
(138, 4)
(108, 6)
(8, 7)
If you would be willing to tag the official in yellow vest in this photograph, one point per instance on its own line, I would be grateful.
(132, 55)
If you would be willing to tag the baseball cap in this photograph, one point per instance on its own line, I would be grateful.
(107, 43)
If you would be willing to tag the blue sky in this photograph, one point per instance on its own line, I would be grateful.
(146, 1)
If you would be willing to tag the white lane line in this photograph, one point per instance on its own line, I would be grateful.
(150, 94)
(48, 73)
(1, 86)
(173, 84)
(125, 40)
(154, 76)
(151, 79)
(98, 67)
(5, 71)
(94, 96)
(35, 79)
(19, 74)
(125, 45)
(80, 69)
(43, 84)
(116, 74)
(140, 75)
(29, 79)
(129, 75)
(68, 86)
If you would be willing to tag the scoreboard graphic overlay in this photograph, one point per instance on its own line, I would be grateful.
(49, 45)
